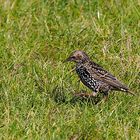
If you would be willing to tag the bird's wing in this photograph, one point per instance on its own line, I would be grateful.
(102, 75)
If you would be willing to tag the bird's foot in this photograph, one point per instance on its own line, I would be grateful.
(105, 98)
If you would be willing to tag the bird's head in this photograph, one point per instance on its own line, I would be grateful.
(78, 56)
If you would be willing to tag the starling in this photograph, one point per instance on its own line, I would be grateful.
(94, 76)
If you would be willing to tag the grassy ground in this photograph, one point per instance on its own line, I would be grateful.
(36, 86)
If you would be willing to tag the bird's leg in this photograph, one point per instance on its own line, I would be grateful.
(105, 98)
(105, 90)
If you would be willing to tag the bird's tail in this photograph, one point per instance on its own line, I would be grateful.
(130, 92)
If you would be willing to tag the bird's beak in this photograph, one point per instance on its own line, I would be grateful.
(68, 59)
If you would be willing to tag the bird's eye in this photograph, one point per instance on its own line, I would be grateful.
(73, 57)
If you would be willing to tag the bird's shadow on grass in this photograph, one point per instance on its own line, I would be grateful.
(59, 96)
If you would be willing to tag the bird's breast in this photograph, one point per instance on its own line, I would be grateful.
(82, 72)
(86, 78)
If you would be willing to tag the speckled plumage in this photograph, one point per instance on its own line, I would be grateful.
(86, 78)
(94, 76)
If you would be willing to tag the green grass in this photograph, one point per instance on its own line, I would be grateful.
(36, 86)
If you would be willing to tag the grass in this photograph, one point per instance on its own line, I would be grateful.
(36, 86)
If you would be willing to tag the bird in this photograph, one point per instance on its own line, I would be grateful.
(94, 76)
